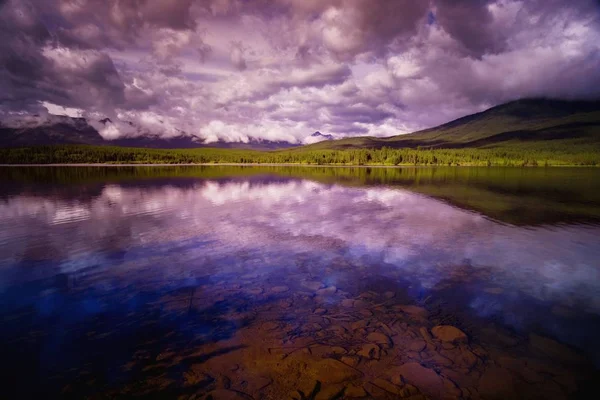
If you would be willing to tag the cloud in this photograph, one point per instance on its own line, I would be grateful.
(286, 212)
(235, 70)
(237, 55)
(471, 23)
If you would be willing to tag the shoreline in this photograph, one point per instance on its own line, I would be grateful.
(289, 165)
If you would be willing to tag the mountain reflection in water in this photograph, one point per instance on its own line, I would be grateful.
(89, 257)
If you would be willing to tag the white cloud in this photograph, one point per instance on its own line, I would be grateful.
(234, 70)
(60, 110)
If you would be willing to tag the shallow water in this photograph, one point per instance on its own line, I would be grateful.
(266, 282)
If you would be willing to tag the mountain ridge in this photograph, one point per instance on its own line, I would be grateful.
(523, 120)
(61, 129)
(520, 121)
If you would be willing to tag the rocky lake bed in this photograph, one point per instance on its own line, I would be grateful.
(303, 339)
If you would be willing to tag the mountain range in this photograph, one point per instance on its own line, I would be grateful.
(516, 122)
(61, 129)
(319, 135)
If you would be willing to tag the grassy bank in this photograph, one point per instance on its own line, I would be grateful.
(541, 155)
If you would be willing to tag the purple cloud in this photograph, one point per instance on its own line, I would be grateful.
(280, 70)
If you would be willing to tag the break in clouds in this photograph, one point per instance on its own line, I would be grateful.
(236, 70)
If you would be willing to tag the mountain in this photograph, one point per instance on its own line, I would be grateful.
(528, 122)
(516, 122)
(319, 135)
(55, 129)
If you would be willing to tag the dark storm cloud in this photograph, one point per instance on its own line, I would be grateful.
(282, 69)
(470, 23)
(33, 69)
(127, 17)
(358, 113)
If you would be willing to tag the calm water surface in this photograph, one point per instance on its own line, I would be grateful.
(175, 281)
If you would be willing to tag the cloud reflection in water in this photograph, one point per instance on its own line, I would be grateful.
(173, 232)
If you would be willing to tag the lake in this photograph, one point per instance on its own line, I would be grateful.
(227, 282)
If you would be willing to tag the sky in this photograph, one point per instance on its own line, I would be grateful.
(279, 70)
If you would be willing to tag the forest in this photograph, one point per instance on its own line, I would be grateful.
(555, 154)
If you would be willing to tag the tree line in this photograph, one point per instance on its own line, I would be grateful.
(499, 156)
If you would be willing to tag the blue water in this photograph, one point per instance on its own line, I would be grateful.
(90, 271)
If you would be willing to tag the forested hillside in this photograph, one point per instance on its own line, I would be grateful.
(526, 155)
(536, 122)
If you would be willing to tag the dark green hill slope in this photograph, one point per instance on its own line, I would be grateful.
(521, 121)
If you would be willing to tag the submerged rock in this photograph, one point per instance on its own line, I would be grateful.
(448, 333)
(425, 333)
(333, 371)
(355, 392)
(226, 394)
(362, 323)
(347, 303)
(379, 338)
(496, 383)
(413, 311)
(330, 392)
(195, 377)
(258, 383)
(312, 285)
(388, 387)
(269, 326)
(370, 351)
(462, 357)
(427, 380)
(350, 360)
(416, 345)
(223, 382)
(327, 291)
